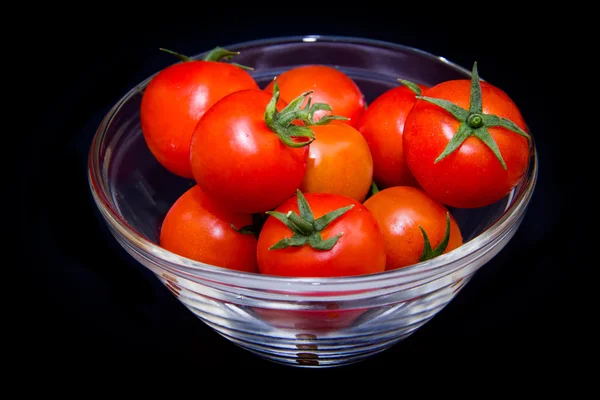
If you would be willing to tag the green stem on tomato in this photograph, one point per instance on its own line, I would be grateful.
(412, 86)
(178, 55)
(305, 228)
(429, 253)
(245, 230)
(216, 54)
(474, 122)
(254, 228)
(280, 122)
(219, 53)
(374, 188)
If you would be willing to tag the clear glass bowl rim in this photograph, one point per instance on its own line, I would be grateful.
(435, 268)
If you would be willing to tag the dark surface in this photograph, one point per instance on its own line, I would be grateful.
(91, 304)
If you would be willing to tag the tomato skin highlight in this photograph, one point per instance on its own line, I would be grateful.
(176, 98)
(239, 161)
(339, 162)
(471, 176)
(399, 211)
(330, 86)
(200, 229)
(360, 250)
(382, 125)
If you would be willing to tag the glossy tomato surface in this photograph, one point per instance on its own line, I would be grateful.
(176, 98)
(339, 162)
(239, 161)
(472, 175)
(200, 229)
(400, 211)
(329, 85)
(382, 125)
(359, 250)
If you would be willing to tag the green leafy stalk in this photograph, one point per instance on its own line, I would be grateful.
(429, 253)
(219, 53)
(305, 228)
(474, 122)
(245, 230)
(411, 85)
(258, 220)
(374, 188)
(280, 122)
(307, 114)
(216, 54)
(178, 55)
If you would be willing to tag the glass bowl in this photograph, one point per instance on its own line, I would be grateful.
(301, 322)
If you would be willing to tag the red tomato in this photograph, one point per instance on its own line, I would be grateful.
(330, 85)
(382, 125)
(176, 98)
(248, 159)
(339, 162)
(321, 321)
(466, 143)
(200, 229)
(320, 235)
(401, 212)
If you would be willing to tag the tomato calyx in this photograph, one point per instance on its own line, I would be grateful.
(473, 121)
(307, 114)
(280, 122)
(244, 230)
(216, 54)
(429, 253)
(258, 220)
(411, 85)
(307, 229)
(373, 190)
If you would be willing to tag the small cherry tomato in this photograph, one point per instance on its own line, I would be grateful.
(414, 225)
(329, 85)
(200, 229)
(466, 143)
(339, 162)
(382, 125)
(176, 98)
(320, 235)
(239, 160)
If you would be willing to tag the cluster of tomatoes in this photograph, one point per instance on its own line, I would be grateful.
(302, 178)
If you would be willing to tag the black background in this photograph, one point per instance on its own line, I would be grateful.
(90, 305)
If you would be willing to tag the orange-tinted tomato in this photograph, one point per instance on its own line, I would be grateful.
(330, 86)
(399, 211)
(200, 229)
(339, 162)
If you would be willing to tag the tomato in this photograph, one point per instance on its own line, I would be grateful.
(320, 235)
(200, 229)
(339, 162)
(176, 98)
(466, 142)
(382, 125)
(332, 317)
(401, 212)
(247, 154)
(329, 85)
